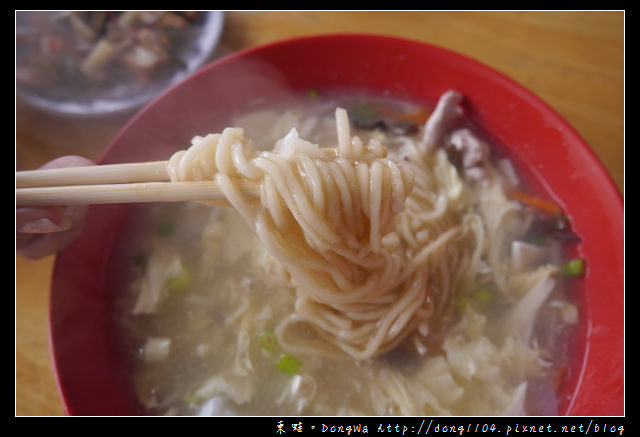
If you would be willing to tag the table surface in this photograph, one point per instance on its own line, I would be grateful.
(572, 60)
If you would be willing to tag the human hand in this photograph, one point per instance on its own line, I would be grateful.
(46, 230)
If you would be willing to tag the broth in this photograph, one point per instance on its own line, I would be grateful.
(205, 343)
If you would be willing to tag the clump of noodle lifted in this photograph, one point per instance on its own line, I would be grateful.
(374, 243)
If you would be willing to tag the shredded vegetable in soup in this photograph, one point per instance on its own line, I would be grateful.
(391, 264)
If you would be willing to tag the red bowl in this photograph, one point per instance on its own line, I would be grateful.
(90, 373)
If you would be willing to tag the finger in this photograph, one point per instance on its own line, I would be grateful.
(68, 161)
(37, 220)
(36, 246)
(42, 231)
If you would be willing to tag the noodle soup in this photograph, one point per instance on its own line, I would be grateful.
(457, 298)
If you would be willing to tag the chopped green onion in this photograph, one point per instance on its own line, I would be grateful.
(180, 281)
(483, 296)
(164, 229)
(313, 93)
(288, 364)
(365, 115)
(536, 240)
(190, 399)
(575, 267)
(479, 299)
(269, 341)
(461, 304)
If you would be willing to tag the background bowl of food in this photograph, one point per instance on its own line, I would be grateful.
(89, 63)
(508, 293)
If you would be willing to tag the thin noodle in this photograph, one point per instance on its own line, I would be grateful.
(375, 244)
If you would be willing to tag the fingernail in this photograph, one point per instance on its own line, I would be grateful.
(44, 226)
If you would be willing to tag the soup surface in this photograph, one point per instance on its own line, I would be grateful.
(200, 320)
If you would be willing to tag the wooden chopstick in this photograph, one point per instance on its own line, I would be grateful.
(199, 191)
(115, 183)
(153, 171)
